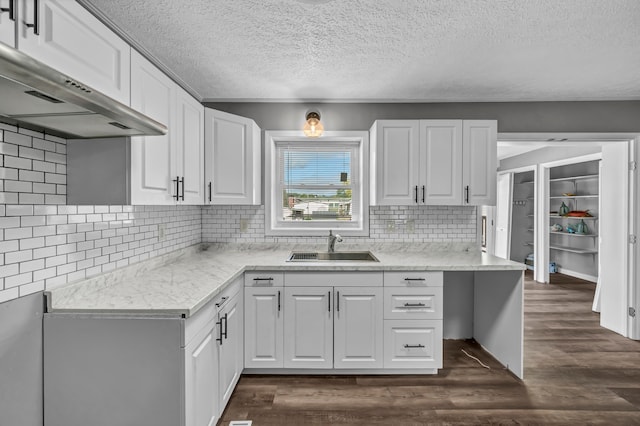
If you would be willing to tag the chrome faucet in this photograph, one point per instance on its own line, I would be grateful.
(331, 247)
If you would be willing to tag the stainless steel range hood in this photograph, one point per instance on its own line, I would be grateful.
(38, 97)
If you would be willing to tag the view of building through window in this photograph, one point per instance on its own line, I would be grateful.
(316, 184)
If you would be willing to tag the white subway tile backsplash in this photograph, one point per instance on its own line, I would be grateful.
(45, 243)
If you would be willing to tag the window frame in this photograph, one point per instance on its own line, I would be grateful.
(358, 226)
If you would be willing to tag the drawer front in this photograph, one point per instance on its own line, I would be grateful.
(413, 279)
(412, 303)
(263, 279)
(413, 344)
(333, 279)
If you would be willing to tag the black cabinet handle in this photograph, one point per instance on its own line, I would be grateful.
(11, 9)
(338, 302)
(182, 182)
(329, 302)
(416, 194)
(35, 25)
(210, 191)
(263, 279)
(414, 305)
(221, 302)
(219, 338)
(422, 194)
(466, 194)
(413, 346)
(177, 181)
(226, 325)
(278, 300)
(415, 279)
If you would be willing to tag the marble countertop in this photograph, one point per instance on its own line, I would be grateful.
(182, 282)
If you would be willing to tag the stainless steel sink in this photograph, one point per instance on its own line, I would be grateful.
(338, 256)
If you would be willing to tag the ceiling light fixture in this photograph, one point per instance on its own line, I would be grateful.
(313, 128)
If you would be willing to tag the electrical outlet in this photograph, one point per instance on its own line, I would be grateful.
(162, 231)
(410, 226)
(244, 225)
(391, 225)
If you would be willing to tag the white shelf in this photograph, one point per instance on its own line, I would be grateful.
(575, 196)
(574, 178)
(573, 217)
(572, 235)
(573, 250)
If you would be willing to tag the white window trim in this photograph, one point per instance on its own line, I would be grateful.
(273, 227)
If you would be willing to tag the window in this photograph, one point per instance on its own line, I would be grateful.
(313, 185)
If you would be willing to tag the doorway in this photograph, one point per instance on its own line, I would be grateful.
(616, 270)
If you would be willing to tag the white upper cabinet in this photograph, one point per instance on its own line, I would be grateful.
(394, 162)
(433, 162)
(65, 36)
(189, 147)
(166, 169)
(8, 20)
(441, 162)
(153, 94)
(479, 163)
(232, 159)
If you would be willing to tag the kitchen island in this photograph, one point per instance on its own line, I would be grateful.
(181, 304)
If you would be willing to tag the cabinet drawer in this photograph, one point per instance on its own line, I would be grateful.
(413, 303)
(263, 279)
(413, 344)
(413, 279)
(333, 279)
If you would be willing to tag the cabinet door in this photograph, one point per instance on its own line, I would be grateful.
(394, 162)
(76, 43)
(413, 344)
(358, 327)
(8, 22)
(153, 94)
(308, 327)
(232, 165)
(263, 337)
(441, 162)
(479, 164)
(201, 378)
(230, 350)
(189, 147)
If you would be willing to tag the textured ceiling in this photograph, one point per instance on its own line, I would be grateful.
(391, 50)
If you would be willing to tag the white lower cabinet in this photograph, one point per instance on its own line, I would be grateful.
(119, 370)
(230, 348)
(333, 327)
(413, 312)
(201, 384)
(308, 327)
(357, 327)
(263, 320)
(413, 344)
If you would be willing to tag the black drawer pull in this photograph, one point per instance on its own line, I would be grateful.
(414, 346)
(414, 305)
(221, 302)
(415, 279)
(263, 279)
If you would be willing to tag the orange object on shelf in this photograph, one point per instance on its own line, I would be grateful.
(578, 213)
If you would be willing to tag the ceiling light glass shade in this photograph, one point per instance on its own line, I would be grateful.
(313, 128)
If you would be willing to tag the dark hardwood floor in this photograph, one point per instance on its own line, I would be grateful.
(576, 373)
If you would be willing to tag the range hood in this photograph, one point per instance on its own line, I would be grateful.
(38, 97)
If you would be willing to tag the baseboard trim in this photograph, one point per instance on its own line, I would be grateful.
(580, 275)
